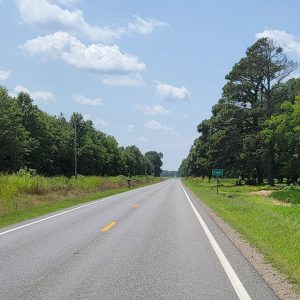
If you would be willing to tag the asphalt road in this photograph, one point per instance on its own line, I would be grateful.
(149, 243)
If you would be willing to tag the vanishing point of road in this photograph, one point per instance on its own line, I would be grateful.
(155, 242)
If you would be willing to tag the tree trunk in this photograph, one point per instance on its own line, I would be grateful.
(270, 147)
(259, 174)
(270, 163)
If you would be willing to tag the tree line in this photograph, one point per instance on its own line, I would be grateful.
(30, 137)
(167, 173)
(254, 130)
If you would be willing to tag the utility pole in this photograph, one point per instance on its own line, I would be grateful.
(129, 166)
(75, 149)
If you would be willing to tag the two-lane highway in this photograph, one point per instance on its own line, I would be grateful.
(155, 242)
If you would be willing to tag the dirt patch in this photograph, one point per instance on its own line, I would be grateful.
(280, 203)
(262, 193)
(267, 193)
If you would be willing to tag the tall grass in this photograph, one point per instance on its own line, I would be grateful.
(23, 192)
(290, 195)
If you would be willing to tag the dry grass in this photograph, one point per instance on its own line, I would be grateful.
(18, 193)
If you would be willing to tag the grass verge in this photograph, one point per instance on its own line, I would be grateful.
(30, 197)
(272, 229)
(288, 196)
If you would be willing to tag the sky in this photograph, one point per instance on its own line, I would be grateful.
(146, 72)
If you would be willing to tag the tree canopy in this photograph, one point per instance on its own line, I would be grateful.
(32, 138)
(253, 131)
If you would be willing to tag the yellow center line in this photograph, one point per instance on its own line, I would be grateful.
(136, 205)
(108, 226)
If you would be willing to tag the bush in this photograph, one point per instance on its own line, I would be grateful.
(290, 188)
(26, 172)
(251, 182)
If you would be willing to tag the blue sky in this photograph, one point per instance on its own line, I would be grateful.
(146, 72)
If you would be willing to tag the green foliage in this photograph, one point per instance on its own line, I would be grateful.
(155, 159)
(290, 195)
(166, 173)
(134, 161)
(14, 138)
(183, 168)
(33, 139)
(283, 130)
(254, 128)
(26, 172)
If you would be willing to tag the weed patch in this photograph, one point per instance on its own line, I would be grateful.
(22, 197)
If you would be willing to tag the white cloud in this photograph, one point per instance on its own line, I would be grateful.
(65, 2)
(154, 110)
(142, 139)
(40, 12)
(87, 117)
(35, 95)
(293, 75)
(97, 57)
(124, 80)
(101, 123)
(130, 127)
(144, 26)
(4, 74)
(287, 41)
(88, 101)
(155, 125)
(169, 91)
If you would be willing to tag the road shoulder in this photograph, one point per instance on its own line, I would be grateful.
(272, 277)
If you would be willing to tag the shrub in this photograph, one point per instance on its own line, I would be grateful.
(26, 172)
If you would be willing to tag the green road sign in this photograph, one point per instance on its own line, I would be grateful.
(217, 172)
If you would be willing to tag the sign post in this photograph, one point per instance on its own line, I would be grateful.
(217, 173)
(129, 182)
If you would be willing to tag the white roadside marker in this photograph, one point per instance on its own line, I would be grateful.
(235, 281)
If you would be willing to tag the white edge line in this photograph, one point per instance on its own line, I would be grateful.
(235, 281)
(70, 210)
